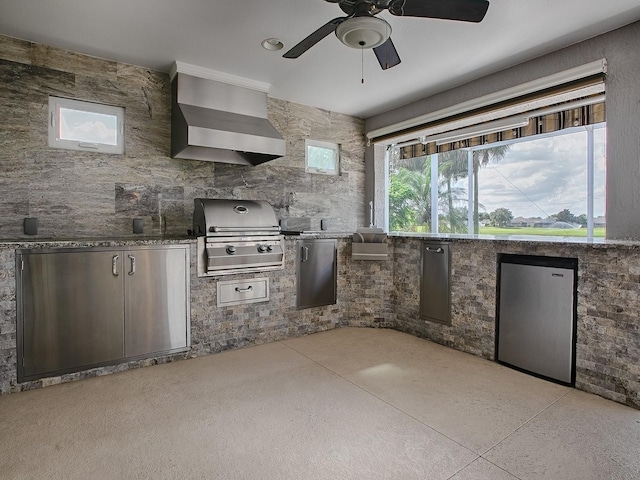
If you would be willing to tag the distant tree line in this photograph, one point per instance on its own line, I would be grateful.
(502, 217)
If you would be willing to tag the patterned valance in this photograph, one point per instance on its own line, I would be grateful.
(572, 117)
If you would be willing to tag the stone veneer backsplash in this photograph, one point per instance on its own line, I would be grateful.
(608, 324)
(81, 194)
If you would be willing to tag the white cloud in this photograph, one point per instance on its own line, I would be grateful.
(88, 127)
(544, 176)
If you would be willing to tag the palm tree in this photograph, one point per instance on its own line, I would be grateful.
(410, 188)
(481, 158)
(453, 165)
(410, 194)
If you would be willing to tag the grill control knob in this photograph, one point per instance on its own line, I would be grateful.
(269, 248)
(262, 248)
(231, 249)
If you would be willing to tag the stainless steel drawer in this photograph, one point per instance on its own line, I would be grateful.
(234, 292)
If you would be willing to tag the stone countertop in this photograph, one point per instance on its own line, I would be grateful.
(511, 239)
(135, 241)
(177, 240)
(92, 242)
(522, 239)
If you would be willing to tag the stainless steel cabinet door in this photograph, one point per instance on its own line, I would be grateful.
(316, 272)
(72, 311)
(156, 299)
(435, 288)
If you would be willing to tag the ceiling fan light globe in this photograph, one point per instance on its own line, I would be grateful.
(363, 32)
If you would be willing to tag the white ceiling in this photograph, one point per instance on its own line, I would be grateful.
(226, 35)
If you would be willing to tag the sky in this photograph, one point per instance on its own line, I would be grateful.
(541, 177)
(84, 126)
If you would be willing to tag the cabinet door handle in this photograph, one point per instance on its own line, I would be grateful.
(133, 264)
(114, 265)
(305, 254)
(437, 250)
(243, 290)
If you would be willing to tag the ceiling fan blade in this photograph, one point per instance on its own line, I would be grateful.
(314, 38)
(387, 54)
(462, 10)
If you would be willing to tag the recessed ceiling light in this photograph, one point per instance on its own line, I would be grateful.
(272, 44)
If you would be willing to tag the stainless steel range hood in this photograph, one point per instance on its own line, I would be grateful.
(221, 122)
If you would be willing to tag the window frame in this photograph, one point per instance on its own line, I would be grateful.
(335, 147)
(54, 134)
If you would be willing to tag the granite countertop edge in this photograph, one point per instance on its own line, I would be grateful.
(93, 242)
(27, 243)
(522, 239)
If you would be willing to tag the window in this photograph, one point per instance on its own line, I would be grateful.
(322, 157)
(550, 184)
(78, 125)
(528, 160)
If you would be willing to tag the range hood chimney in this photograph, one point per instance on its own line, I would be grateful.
(219, 121)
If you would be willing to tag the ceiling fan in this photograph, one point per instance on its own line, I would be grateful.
(362, 29)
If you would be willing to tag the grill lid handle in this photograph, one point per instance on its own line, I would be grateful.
(215, 229)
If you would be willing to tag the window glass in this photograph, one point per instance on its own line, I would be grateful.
(550, 184)
(78, 125)
(322, 157)
(85, 126)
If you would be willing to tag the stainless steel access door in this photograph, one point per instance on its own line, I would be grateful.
(156, 300)
(435, 284)
(72, 317)
(316, 272)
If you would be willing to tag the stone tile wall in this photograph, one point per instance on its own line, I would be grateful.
(608, 323)
(367, 287)
(82, 194)
(215, 329)
(8, 351)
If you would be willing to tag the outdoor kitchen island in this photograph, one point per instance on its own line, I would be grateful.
(385, 293)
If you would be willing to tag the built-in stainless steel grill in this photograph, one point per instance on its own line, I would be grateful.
(236, 236)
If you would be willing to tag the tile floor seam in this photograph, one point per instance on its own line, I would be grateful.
(459, 471)
(475, 460)
(526, 422)
(385, 402)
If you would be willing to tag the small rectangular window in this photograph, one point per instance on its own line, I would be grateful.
(78, 125)
(322, 157)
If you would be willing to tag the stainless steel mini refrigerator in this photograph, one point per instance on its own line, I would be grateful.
(536, 317)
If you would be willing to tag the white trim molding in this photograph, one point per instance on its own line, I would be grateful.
(196, 71)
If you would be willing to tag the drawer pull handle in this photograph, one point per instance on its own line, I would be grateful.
(243, 290)
(437, 250)
(114, 265)
(133, 265)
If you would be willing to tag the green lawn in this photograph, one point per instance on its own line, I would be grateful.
(561, 232)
